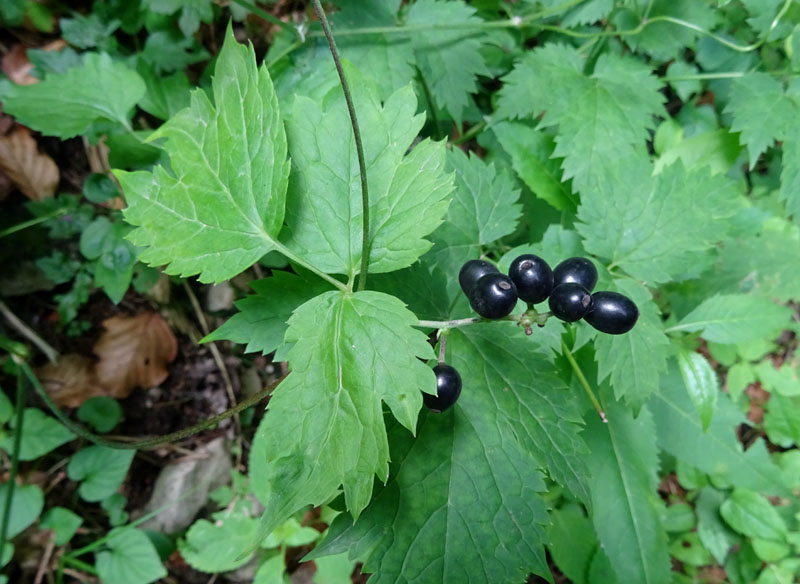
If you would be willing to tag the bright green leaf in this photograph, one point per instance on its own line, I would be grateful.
(689, 549)
(333, 569)
(273, 570)
(40, 435)
(574, 546)
(782, 420)
(666, 40)
(217, 547)
(752, 515)
(101, 469)
(129, 558)
(701, 383)
(63, 522)
(714, 533)
(100, 412)
(26, 505)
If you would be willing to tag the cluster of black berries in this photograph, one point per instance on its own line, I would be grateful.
(568, 290)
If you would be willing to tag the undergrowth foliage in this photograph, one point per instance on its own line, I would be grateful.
(659, 139)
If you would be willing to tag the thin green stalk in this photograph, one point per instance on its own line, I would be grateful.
(471, 133)
(149, 442)
(269, 17)
(432, 107)
(703, 76)
(82, 566)
(290, 255)
(12, 478)
(582, 379)
(362, 165)
(448, 324)
(31, 222)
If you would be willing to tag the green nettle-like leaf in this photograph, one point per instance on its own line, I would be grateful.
(224, 206)
(599, 118)
(40, 435)
(623, 466)
(735, 318)
(448, 59)
(701, 383)
(462, 502)
(655, 228)
(717, 450)
(751, 514)
(324, 426)
(588, 12)
(484, 209)
(129, 558)
(634, 361)
(408, 193)
(531, 153)
(761, 112)
(100, 469)
(261, 320)
(66, 104)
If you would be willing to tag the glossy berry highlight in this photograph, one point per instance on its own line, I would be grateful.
(472, 271)
(576, 270)
(570, 301)
(533, 278)
(448, 388)
(493, 296)
(612, 313)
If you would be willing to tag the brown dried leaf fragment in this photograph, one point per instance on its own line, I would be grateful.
(71, 380)
(34, 173)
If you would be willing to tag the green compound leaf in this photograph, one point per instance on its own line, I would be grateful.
(599, 118)
(761, 112)
(66, 104)
(101, 469)
(324, 426)
(449, 60)
(483, 210)
(130, 558)
(262, 318)
(408, 193)
(40, 435)
(224, 207)
(462, 502)
(655, 228)
(752, 515)
(736, 318)
(717, 450)
(701, 384)
(627, 510)
(634, 361)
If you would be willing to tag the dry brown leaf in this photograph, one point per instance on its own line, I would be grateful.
(34, 173)
(134, 352)
(16, 65)
(71, 380)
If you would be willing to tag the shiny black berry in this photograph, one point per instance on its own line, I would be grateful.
(448, 388)
(532, 277)
(570, 301)
(493, 296)
(612, 313)
(472, 271)
(578, 270)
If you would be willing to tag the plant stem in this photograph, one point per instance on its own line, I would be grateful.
(269, 17)
(26, 331)
(448, 324)
(362, 165)
(149, 442)
(442, 345)
(472, 132)
(12, 478)
(32, 222)
(582, 379)
(290, 255)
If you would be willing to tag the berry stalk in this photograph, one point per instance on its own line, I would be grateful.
(582, 379)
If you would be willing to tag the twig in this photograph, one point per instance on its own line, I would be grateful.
(362, 165)
(48, 553)
(26, 331)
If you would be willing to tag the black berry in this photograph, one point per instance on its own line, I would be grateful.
(493, 296)
(472, 271)
(532, 277)
(448, 388)
(612, 313)
(570, 301)
(578, 270)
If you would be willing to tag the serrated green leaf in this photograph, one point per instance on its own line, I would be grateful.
(531, 153)
(666, 40)
(574, 547)
(166, 95)
(598, 117)
(761, 112)
(716, 451)
(65, 105)
(262, 318)
(634, 361)
(408, 193)
(423, 288)
(129, 558)
(217, 547)
(481, 519)
(63, 522)
(40, 435)
(714, 533)
(701, 383)
(224, 207)
(782, 420)
(790, 175)
(718, 150)
(484, 209)
(626, 509)
(752, 515)
(324, 426)
(655, 227)
(762, 13)
(100, 469)
(448, 59)
(26, 505)
(587, 12)
(735, 318)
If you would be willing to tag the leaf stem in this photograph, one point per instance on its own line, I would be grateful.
(12, 478)
(471, 133)
(26, 331)
(269, 17)
(582, 379)
(290, 255)
(362, 165)
(32, 222)
(448, 324)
